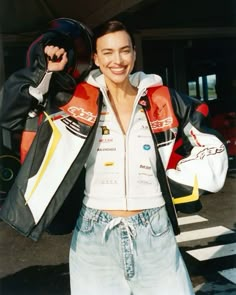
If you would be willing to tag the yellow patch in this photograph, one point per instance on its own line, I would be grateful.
(109, 164)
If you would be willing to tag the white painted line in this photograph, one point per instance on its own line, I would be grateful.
(191, 219)
(229, 274)
(213, 252)
(203, 233)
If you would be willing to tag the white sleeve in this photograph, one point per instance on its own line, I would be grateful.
(208, 161)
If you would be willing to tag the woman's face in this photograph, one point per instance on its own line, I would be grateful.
(115, 56)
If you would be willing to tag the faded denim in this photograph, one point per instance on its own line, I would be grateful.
(137, 255)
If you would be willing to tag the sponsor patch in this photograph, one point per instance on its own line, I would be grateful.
(145, 167)
(106, 149)
(109, 164)
(146, 147)
(106, 140)
(105, 130)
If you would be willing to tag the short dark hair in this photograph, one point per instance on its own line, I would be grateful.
(111, 26)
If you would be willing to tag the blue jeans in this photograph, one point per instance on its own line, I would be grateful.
(137, 255)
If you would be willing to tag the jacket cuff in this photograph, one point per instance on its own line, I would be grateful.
(42, 88)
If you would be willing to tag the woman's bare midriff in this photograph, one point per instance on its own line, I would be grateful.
(122, 213)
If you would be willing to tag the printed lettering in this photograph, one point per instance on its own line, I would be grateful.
(105, 140)
(145, 167)
(80, 113)
(160, 124)
(106, 149)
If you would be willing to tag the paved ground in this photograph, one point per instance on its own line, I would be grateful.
(219, 210)
(30, 268)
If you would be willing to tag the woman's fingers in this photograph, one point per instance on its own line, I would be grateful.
(56, 57)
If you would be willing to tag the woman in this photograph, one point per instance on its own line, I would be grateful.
(123, 242)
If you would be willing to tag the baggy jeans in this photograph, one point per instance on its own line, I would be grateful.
(137, 255)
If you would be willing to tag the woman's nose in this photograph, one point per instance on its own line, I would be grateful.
(117, 57)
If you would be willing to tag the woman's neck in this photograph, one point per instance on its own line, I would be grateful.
(121, 92)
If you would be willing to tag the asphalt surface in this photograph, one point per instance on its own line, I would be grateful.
(41, 268)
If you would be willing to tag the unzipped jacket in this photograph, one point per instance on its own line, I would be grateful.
(191, 157)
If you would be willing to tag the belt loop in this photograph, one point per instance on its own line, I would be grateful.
(96, 215)
(144, 218)
(92, 214)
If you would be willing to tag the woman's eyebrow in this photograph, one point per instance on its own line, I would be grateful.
(110, 49)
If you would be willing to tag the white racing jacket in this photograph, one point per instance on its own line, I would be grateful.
(121, 168)
(190, 157)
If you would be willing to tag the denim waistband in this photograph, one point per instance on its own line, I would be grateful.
(104, 217)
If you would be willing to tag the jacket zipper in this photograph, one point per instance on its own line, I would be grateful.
(125, 146)
(125, 173)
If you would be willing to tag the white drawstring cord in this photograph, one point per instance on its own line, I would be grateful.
(128, 226)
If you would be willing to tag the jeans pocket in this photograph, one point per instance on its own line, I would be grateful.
(83, 229)
(159, 223)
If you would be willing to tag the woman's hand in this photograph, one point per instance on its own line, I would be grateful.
(56, 58)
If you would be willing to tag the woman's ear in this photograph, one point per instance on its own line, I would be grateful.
(134, 48)
(95, 58)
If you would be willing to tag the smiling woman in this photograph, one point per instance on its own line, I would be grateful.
(124, 202)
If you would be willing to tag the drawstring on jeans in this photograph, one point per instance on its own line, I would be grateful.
(128, 226)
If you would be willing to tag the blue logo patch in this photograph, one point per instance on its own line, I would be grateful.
(146, 147)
